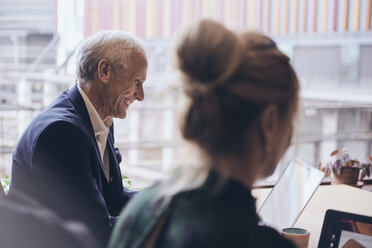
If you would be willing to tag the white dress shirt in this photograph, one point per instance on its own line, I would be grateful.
(100, 131)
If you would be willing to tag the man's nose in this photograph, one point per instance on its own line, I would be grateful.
(140, 95)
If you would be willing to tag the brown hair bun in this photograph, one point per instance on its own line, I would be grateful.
(207, 55)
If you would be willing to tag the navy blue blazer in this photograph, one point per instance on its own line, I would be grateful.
(57, 162)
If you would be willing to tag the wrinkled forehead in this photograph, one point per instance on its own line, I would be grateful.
(139, 58)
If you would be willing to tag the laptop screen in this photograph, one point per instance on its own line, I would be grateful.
(341, 229)
(290, 195)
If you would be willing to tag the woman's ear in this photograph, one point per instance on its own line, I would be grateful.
(104, 70)
(269, 125)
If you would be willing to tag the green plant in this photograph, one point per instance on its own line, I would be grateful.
(126, 182)
(5, 182)
(343, 161)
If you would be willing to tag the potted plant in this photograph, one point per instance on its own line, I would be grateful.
(346, 170)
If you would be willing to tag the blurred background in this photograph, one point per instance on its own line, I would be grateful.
(329, 43)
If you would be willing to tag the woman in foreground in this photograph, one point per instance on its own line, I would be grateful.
(243, 95)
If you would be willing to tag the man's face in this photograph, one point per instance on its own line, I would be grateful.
(127, 86)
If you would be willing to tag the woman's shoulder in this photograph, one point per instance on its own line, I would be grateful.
(203, 231)
(191, 221)
(138, 218)
(142, 200)
(194, 221)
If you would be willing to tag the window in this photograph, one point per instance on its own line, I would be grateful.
(38, 41)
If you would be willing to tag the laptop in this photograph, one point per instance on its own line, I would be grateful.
(289, 196)
(341, 229)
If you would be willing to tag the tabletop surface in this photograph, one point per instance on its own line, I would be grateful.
(338, 197)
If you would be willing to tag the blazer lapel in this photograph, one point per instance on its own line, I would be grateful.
(79, 104)
(114, 163)
(116, 182)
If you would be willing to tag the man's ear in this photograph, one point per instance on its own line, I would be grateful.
(104, 70)
(269, 124)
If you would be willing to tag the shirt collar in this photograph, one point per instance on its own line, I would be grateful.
(99, 126)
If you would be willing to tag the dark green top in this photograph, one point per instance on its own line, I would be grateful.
(214, 215)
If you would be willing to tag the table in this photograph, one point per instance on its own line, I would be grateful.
(338, 197)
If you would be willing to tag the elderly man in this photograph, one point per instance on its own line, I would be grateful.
(66, 158)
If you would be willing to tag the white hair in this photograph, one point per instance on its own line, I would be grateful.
(114, 45)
